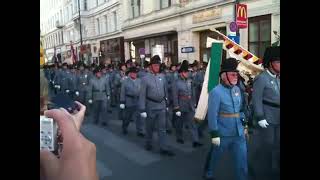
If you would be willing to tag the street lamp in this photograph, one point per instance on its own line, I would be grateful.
(80, 30)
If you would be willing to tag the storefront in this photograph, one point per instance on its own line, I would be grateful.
(205, 52)
(163, 44)
(112, 50)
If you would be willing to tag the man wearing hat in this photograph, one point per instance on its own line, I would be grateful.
(266, 106)
(171, 76)
(183, 105)
(72, 82)
(82, 83)
(98, 93)
(152, 105)
(225, 118)
(129, 96)
(118, 78)
(61, 79)
(145, 70)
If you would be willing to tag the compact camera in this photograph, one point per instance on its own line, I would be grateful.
(48, 134)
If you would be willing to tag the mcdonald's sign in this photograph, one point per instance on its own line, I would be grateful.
(241, 15)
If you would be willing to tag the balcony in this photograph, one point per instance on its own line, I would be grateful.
(59, 25)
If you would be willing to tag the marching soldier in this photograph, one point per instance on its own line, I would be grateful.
(225, 119)
(82, 84)
(152, 105)
(266, 106)
(98, 93)
(61, 78)
(129, 96)
(184, 105)
(71, 82)
(118, 78)
(144, 71)
(170, 77)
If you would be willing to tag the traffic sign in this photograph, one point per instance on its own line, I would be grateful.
(235, 39)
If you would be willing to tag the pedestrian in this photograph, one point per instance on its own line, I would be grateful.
(98, 93)
(225, 119)
(184, 105)
(129, 96)
(266, 108)
(153, 103)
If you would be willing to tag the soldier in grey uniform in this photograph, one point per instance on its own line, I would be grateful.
(152, 105)
(170, 77)
(118, 77)
(98, 93)
(129, 96)
(71, 82)
(82, 83)
(61, 79)
(266, 106)
(144, 71)
(184, 105)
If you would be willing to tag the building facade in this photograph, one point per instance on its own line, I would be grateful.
(117, 30)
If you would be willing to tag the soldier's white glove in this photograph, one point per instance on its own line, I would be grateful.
(108, 97)
(58, 86)
(52, 82)
(122, 106)
(263, 123)
(178, 113)
(215, 141)
(67, 91)
(77, 93)
(167, 109)
(90, 101)
(144, 114)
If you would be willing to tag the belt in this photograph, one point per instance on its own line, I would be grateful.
(99, 91)
(155, 100)
(229, 115)
(185, 97)
(131, 96)
(271, 104)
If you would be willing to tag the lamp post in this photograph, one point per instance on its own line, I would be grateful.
(80, 31)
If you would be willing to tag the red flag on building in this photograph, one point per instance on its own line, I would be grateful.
(73, 54)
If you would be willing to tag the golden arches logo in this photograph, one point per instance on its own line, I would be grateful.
(242, 12)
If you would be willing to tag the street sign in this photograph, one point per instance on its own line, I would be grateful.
(141, 51)
(187, 49)
(233, 27)
(241, 16)
(235, 39)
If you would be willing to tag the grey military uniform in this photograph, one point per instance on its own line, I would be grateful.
(98, 90)
(152, 100)
(82, 83)
(71, 84)
(266, 105)
(130, 91)
(184, 100)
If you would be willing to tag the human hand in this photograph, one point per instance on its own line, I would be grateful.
(216, 141)
(263, 123)
(78, 156)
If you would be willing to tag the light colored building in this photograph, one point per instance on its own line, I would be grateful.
(165, 26)
(100, 21)
(124, 29)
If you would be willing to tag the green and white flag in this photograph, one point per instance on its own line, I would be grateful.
(211, 78)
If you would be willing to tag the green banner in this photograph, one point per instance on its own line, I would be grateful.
(216, 56)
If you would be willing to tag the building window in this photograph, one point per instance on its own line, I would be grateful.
(85, 5)
(97, 2)
(98, 26)
(135, 8)
(259, 34)
(115, 20)
(106, 23)
(165, 3)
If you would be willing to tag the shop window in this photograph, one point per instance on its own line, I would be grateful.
(135, 8)
(259, 34)
(205, 53)
(165, 3)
